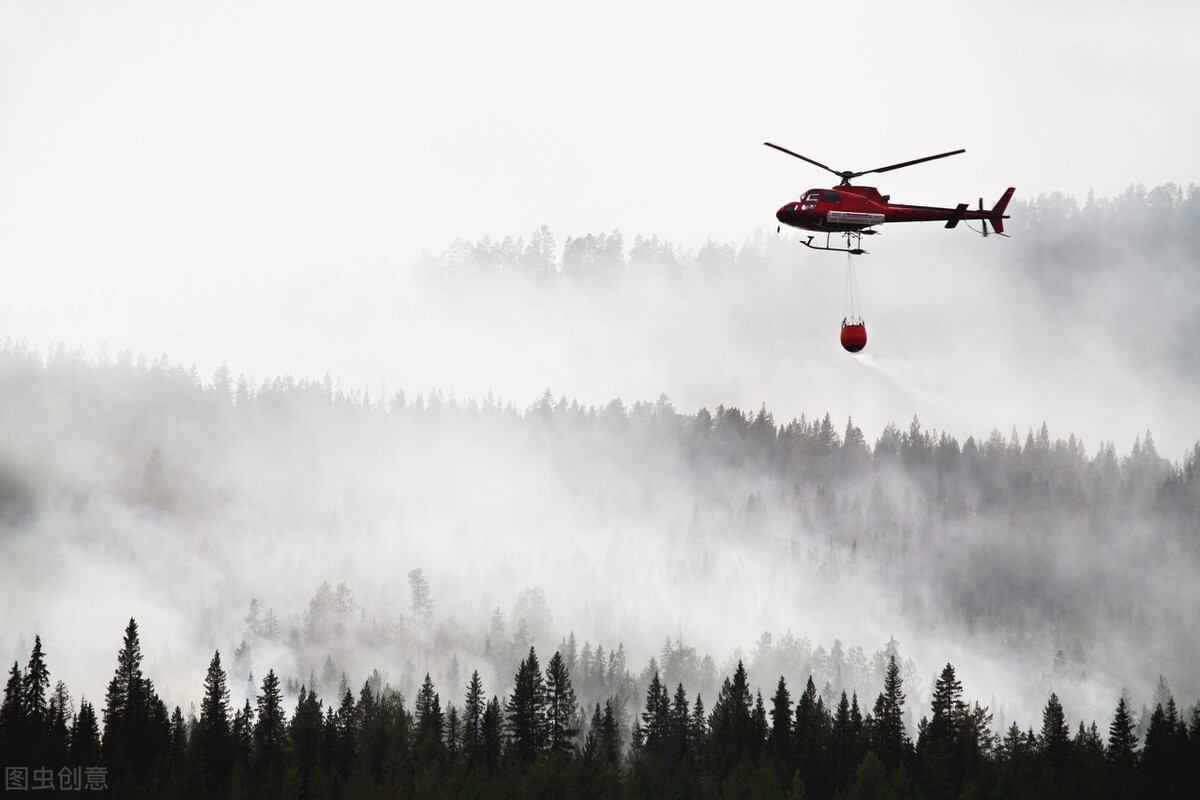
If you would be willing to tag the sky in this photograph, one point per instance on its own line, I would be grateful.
(147, 146)
(199, 179)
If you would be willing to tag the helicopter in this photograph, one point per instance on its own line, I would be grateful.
(853, 211)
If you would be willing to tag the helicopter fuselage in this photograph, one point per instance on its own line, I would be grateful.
(856, 208)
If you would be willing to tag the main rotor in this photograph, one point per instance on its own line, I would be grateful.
(848, 175)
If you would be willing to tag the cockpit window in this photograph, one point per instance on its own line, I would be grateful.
(830, 197)
(812, 197)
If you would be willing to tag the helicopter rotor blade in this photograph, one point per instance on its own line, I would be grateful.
(904, 164)
(805, 158)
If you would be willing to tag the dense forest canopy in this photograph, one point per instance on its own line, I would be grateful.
(315, 531)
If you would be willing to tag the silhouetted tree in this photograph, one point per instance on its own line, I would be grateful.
(525, 713)
(270, 726)
(473, 710)
(891, 738)
(1122, 752)
(560, 708)
(214, 736)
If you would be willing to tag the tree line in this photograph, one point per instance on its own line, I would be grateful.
(540, 741)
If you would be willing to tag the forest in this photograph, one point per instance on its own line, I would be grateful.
(444, 595)
(540, 741)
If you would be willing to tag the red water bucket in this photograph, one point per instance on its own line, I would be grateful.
(854, 337)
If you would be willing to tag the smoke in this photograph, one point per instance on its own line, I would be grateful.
(419, 432)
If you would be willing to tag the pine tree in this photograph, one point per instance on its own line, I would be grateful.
(270, 729)
(344, 733)
(491, 729)
(85, 736)
(422, 601)
(730, 724)
(214, 736)
(59, 742)
(677, 729)
(656, 718)
(1122, 751)
(806, 733)
(889, 718)
(14, 720)
(843, 748)
(305, 732)
(473, 711)
(241, 735)
(1056, 736)
(177, 749)
(759, 727)
(136, 725)
(453, 735)
(610, 735)
(698, 731)
(37, 700)
(1164, 771)
(781, 723)
(525, 713)
(430, 722)
(560, 708)
(940, 747)
(591, 742)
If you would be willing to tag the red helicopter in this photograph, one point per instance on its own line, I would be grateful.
(854, 210)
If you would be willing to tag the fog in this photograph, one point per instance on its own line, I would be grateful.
(545, 428)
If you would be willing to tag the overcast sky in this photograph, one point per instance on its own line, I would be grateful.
(156, 153)
(143, 141)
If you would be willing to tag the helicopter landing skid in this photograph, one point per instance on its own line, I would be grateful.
(855, 236)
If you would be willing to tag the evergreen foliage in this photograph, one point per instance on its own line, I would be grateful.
(373, 746)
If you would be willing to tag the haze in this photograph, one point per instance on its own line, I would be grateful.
(296, 189)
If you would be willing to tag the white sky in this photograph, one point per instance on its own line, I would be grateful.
(147, 143)
(161, 161)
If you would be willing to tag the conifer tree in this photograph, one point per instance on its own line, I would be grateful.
(759, 727)
(1054, 742)
(1122, 751)
(472, 724)
(806, 733)
(241, 735)
(560, 708)
(610, 735)
(1163, 758)
(591, 742)
(453, 735)
(136, 725)
(781, 722)
(37, 700)
(491, 728)
(305, 732)
(345, 733)
(525, 714)
(940, 747)
(270, 727)
(889, 718)
(178, 745)
(59, 742)
(85, 736)
(14, 719)
(214, 735)
(430, 724)
(677, 728)
(698, 731)
(655, 718)
(730, 724)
